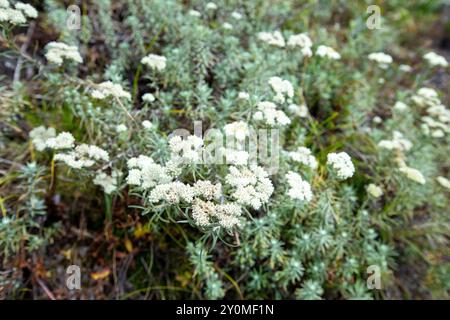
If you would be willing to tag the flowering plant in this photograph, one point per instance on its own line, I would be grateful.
(321, 150)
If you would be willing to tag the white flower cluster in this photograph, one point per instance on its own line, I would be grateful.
(282, 88)
(121, 128)
(147, 124)
(148, 98)
(172, 193)
(40, 135)
(79, 157)
(206, 213)
(443, 182)
(145, 173)
(435, 60)
(188, 150)
(341, 164)
(155, 61)
(227, 26)
(252, 186)
(83, 156)
(107, 89)
(426, 97)
(383, 59)
(327, 52)
(57, 52)
(18, 15)
(107, 182)
(235, 157)
(400, 106)
(299, 188)
(304, 156)
(398, 142)
(437, 122)
(374, 190)
(412, 174)
(236, 15)
(176, 192)
(273, 38)
(303, 41)
(299, 110)
(211, 6)
(27, 9)
(268, 112)
(405, 68)
(243, 95)
(64, 140)
(194, 13)
(237, 129)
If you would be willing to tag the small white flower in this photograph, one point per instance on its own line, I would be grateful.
(252, 187)
(275, 38)
(243, 95)
(148, 97)
(3, 15)
(400, 106)
(57, 52)
(235, 157)
(383, 59)
(299, 110)
(282, 88)
(377, 119)
(147, 124)
(238, 129)
(405, 68)
(341, 164)
(134, 177)
(303, 41)
(435, 60)
(4, 4)
(299, 40)
(40, 135)
(413, 174)
(374, 190)
(14, 17)
(107, 182)
(205, 212)
(172, 193)
(194, 13)
(327, 52)
(121, 128)
(443, 182)
(211, 6)
(299, 188)
(155, 61)
(207, 190)
(304, 156)
(107, 89)
(236, 15)
(397, 143)
(426, 97)
(64, 140)
(188, 150)
(144, 172)
(227, 26)
(27, 9)
(268, 111)
(438, 133)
